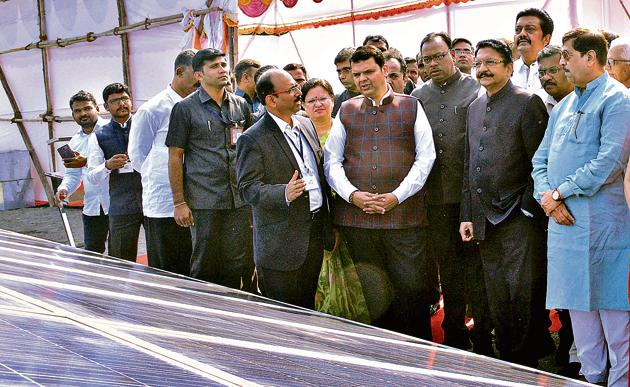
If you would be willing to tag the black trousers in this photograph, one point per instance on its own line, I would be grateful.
(297, 287)
(95, 230)
(222, 247)
(395, 275)
(514, 261)
(168, 245)
(124, 231)
(461, 280)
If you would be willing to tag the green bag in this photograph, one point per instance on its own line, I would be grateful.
(339, 290)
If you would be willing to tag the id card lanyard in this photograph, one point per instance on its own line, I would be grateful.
(309, 176)
(235, 130)
(299, 150)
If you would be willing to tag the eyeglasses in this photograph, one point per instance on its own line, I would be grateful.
(488, 62)
(293, 89)
(344, 70)
(611, 62)
(115, 101)
(437, 57)
(321, 100)
(551, 71)
(462, 51)
(566, 54)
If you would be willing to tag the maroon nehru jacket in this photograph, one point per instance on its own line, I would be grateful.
(378, 154)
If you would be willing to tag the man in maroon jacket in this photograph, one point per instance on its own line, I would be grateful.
(377, 158)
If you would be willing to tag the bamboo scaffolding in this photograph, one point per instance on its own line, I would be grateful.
(91, 36)
(44, 118)
(123, 29)
(26, 138)
(122, 21)
(41, 13)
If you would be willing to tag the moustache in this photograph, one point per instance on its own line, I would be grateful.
(484, 74)
(524, 39)
(549, 83)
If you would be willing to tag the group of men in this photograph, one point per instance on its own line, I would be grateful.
(508, 184)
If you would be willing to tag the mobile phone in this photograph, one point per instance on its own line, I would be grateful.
(66, 152)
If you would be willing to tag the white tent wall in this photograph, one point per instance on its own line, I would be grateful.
(475, 20)
(86, 65)
(93, 65)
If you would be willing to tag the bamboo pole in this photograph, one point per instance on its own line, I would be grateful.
(233, 46)
(27, 139)
(91, 36)
(122, 21)
(45, 118)
(41, 13)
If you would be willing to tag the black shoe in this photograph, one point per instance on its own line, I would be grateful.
(570, 370)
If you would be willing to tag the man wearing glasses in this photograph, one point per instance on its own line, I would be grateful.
(463, 54)
(446, 98)
(107, 157)
(618, 61)
(201, 138)
(557, 86)
(552, 77)
(505, 126)
(377, 158)
(578, 175)
(280, 174)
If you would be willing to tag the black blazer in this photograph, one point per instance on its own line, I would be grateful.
(264, 165)
(503, 133)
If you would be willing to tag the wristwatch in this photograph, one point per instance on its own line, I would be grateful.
(555, 195)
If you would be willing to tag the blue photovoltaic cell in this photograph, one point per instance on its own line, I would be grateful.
(53, 352)
(65, 332)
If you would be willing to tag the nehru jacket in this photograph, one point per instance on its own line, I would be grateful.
(504, 131)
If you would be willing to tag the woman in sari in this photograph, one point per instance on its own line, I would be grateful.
(339, 291)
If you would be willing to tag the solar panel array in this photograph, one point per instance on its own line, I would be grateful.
(69, 317)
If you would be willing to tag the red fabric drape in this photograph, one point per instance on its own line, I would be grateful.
(254, 8)
(376, 13)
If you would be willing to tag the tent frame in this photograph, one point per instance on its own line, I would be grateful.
(48, 116)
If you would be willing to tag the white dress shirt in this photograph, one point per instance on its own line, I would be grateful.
(306, 161)
(411, 184)
(97, 173)
(550, 103)
(95, 195)
(149, 154)
(527, 77)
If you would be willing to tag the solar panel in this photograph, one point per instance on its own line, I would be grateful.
(71, 317)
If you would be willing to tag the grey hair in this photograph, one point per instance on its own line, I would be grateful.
(622, 41)
(548, 52)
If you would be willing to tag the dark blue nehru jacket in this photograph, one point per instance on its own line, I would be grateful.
(125, 189)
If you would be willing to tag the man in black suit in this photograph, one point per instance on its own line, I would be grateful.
(504, 128)
(280, 174)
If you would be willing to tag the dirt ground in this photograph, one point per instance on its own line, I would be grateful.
(46, 223)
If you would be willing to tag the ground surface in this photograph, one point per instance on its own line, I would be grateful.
(46, 223)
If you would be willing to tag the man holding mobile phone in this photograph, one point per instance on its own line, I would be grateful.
(107, 158)
(96, 197)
